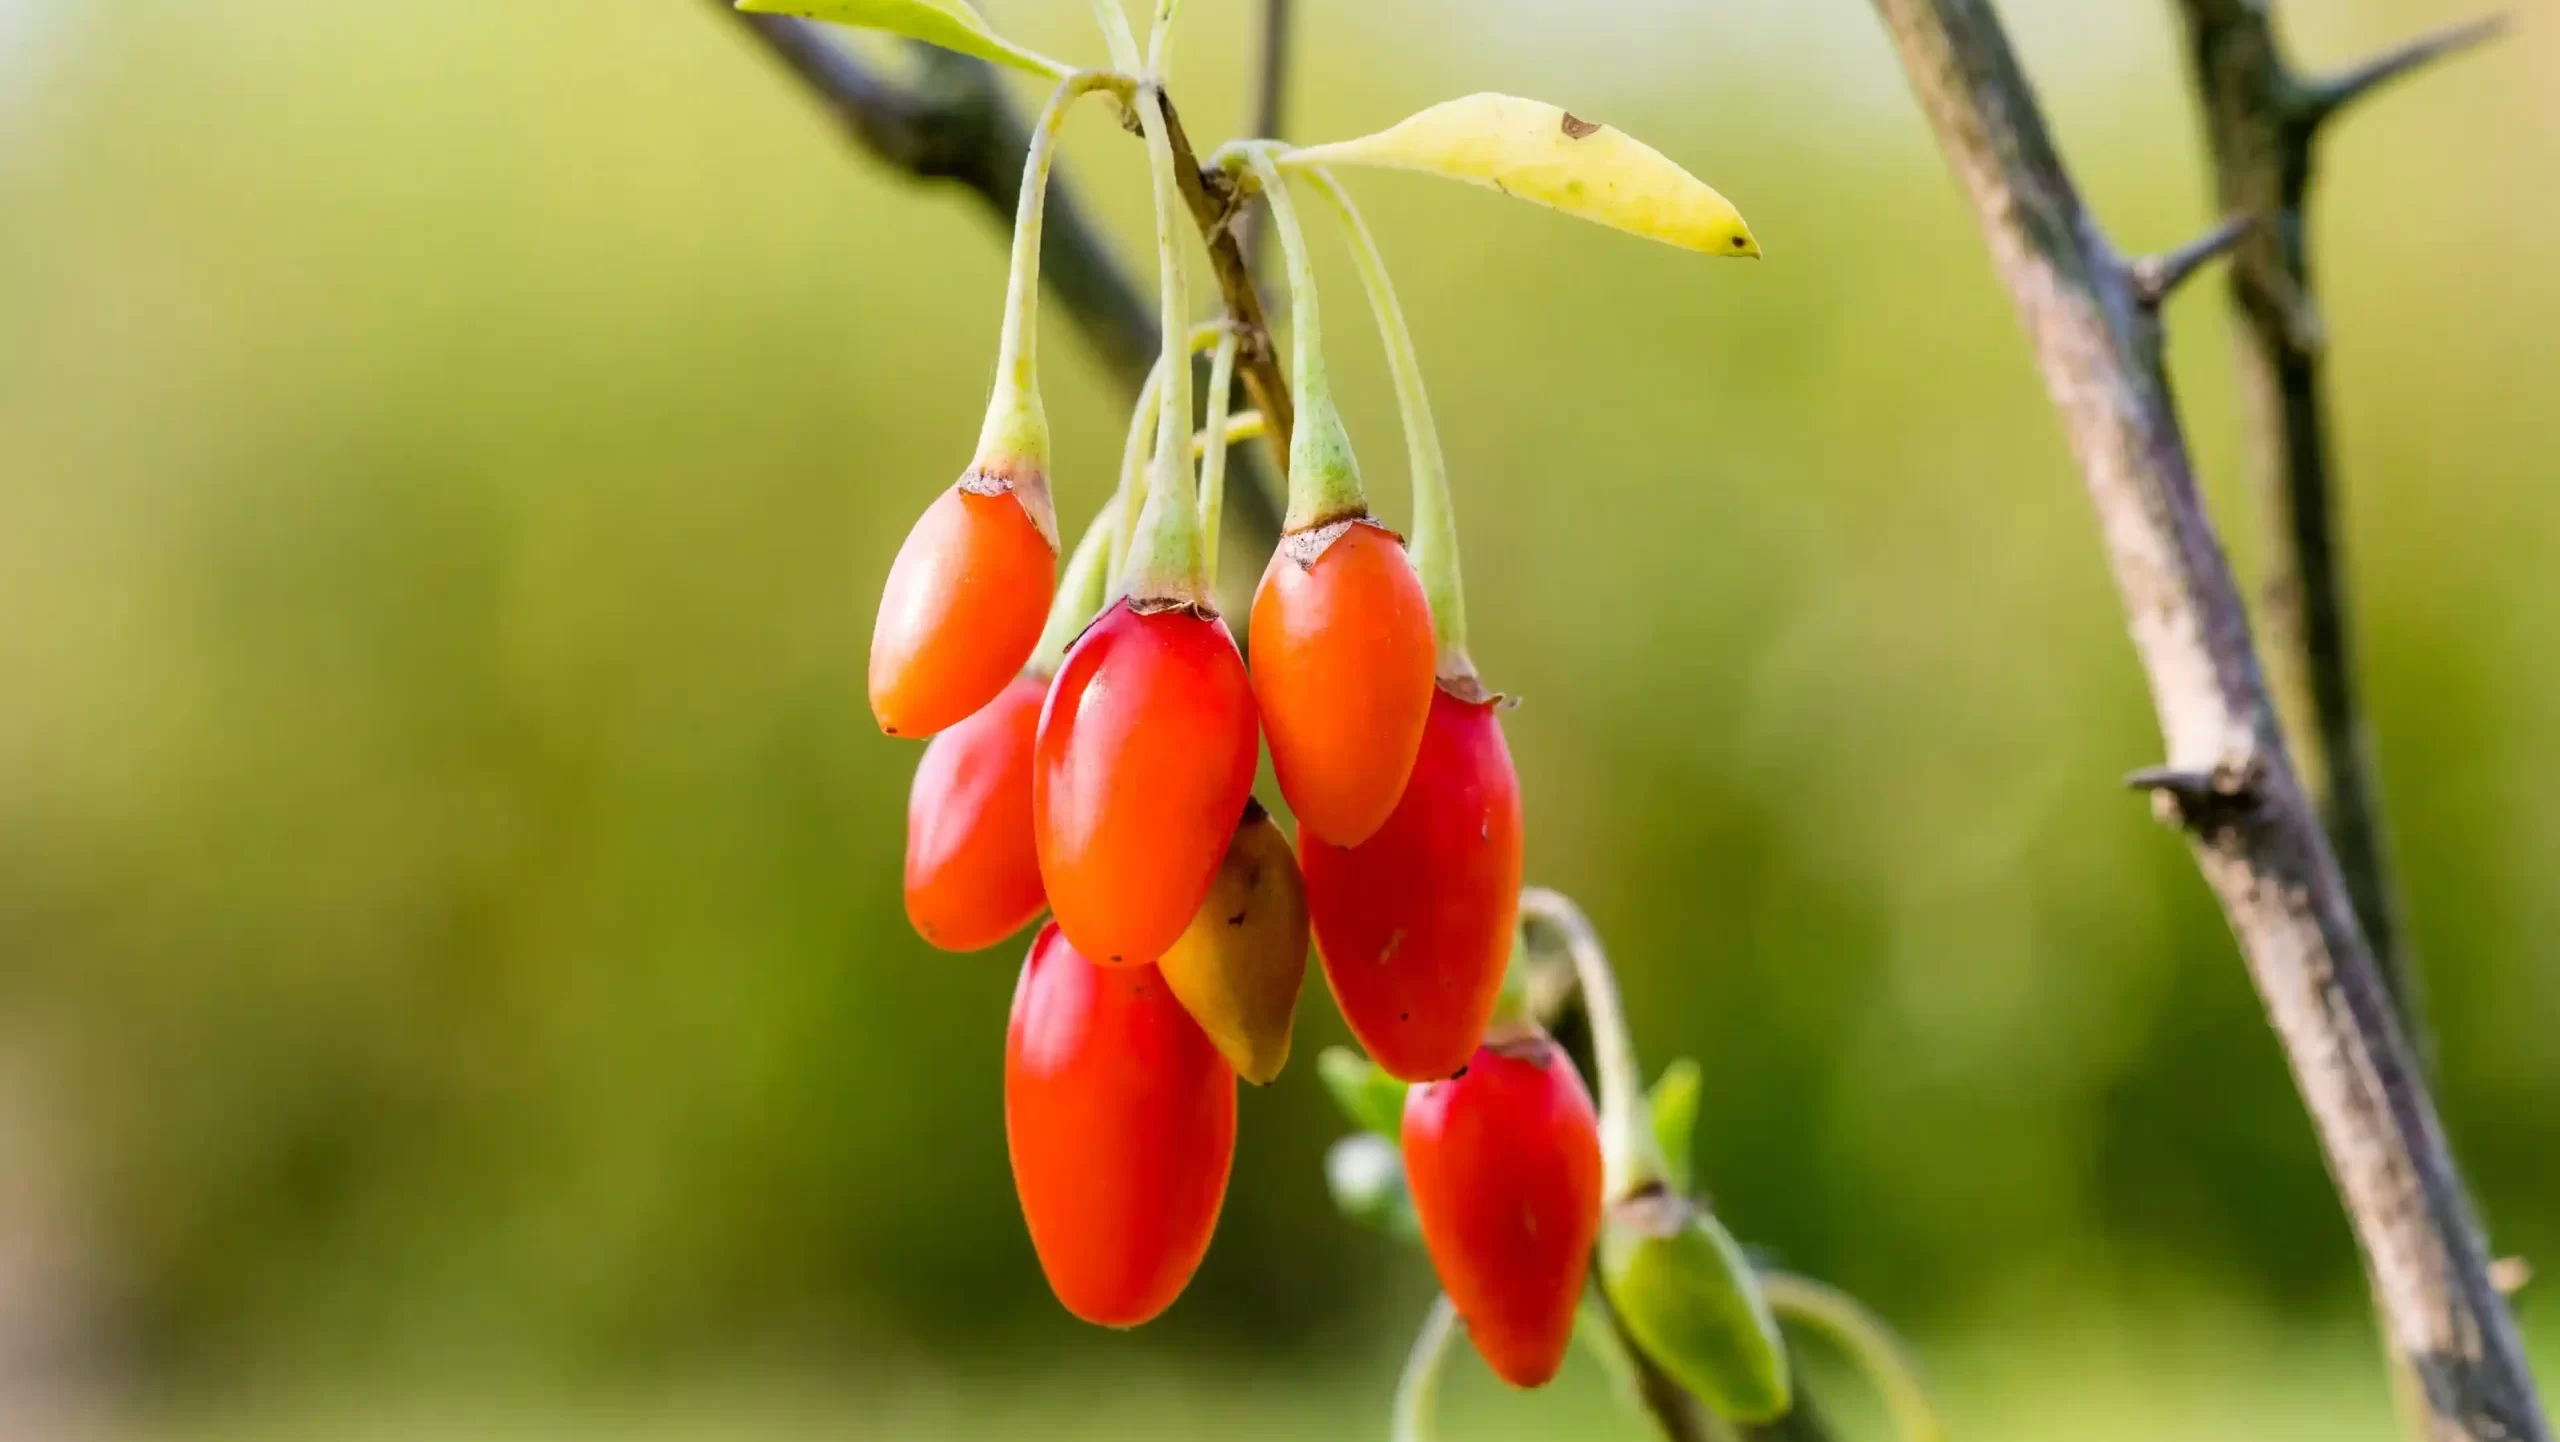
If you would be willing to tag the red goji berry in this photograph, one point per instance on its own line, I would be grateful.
(1143, 762)
(1342, 671)
(1504, 1165)
(1120, 1120)
(973, 873)
(961, 611)
(1414, 924)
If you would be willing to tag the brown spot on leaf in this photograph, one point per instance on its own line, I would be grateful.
(1575, 127)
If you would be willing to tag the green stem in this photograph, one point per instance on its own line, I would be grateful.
(1418, 1390)
(1132, 492)
(1080, 591)
(1014, 441)
(1324, 478)
(1160, 41)
(1165, 562)
(1868, 1343)
(1134, 452)
(1213, 466)
(1241, 426)
(1116, 34)
(1434, 547)
(1630, 1159)
(1511, 1004)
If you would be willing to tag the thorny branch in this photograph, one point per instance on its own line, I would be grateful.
(955, 124)
(2251, 826)
(2261, 120)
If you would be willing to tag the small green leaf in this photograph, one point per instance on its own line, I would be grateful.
(1675, 1119)
(1535, 152)
(951, 24)
(1373, 1100)
(1691, 1300)
(1365, 1173)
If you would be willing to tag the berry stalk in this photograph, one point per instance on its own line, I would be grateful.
(1324, 478)
(1221, 433)
(1116, 34)
(1014, 440)
(1160, 41)
(1081, 592)
(1434, 546)
(1418, 1389)
(1630, 1156)
(1165, 562)
(1135, 451)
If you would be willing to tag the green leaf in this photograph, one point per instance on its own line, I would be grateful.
(951, 24)
(1365, 1173)
(1373, 1100)
(1533, 151)
(1691, 1300)
(1675, 1119)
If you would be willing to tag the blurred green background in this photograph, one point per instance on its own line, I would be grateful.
(452, 979)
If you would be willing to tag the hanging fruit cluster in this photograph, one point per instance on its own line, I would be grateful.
(1093, 747)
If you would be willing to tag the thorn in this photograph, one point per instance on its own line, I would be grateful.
(2155, 276)
(2329, 94)
(2177, 781)
(2509, 1275)
(2200, 800)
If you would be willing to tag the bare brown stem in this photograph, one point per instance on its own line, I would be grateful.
(2252, 828)
(1213, 201)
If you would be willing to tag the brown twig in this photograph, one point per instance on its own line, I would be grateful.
(2261, 849)
(1213, 203)
(2261, 119)
(957, 126)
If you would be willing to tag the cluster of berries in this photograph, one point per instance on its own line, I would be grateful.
(1107, 776)
(1094, 746)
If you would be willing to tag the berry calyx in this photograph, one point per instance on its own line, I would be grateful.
(1414, 925)
(1120, 1122)
(1504, 1165)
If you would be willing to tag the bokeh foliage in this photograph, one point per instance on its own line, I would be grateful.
(448, 461)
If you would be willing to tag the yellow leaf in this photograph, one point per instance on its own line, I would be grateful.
(1536, 152)
(951, 24)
